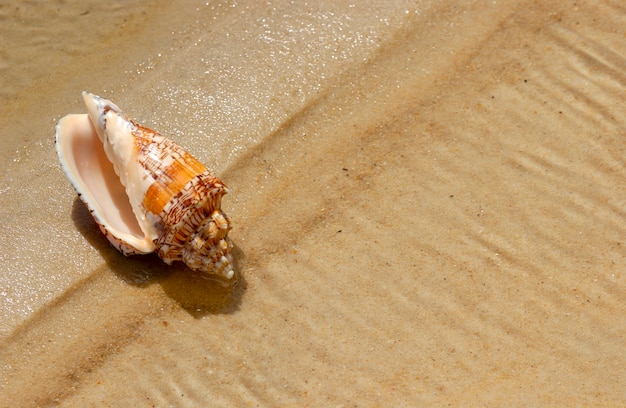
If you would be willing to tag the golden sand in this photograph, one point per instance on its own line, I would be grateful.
(427, 199)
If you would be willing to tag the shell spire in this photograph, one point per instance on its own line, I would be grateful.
(172, 203)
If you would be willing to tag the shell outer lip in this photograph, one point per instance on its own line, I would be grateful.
(75, 143)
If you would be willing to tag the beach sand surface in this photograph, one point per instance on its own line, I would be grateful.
(427, 197)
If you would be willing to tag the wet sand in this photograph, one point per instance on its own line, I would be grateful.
(427, 201)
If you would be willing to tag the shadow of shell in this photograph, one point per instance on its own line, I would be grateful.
(196, 293)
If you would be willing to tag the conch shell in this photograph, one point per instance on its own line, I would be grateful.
(143, 190)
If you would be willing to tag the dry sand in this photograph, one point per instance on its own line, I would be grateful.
(427, 197)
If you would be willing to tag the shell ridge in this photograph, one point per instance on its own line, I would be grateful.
(191, 207)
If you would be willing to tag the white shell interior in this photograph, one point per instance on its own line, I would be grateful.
(86, 165)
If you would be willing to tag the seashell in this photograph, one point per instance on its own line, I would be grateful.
(143, 190)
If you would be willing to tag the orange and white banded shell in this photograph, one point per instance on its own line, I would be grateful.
(143, 190)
